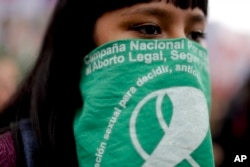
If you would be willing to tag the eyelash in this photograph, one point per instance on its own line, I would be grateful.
(147, 30)
(197, 36)
(150, 30)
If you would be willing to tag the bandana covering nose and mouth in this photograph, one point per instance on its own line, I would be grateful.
(146, 103)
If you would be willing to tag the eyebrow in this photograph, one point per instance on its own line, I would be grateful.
(197, 18)
(148, 11)
(154, 11)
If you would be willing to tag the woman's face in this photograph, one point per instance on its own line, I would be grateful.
(153, 20)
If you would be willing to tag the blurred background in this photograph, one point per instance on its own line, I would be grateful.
(22, 25)
(23, 22)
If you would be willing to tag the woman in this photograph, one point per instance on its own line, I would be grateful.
(50, 96)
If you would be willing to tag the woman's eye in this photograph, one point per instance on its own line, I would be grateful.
(147, 29)
(196, 36)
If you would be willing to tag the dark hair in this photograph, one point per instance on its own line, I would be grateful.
(50, 95)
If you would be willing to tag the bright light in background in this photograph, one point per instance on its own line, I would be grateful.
(233, 14)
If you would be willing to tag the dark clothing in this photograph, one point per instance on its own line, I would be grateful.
(17, 145)
(7, 150)
(29, 143)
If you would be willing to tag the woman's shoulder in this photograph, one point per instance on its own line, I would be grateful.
(7, 148)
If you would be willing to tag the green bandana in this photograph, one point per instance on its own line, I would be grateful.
(146, 103)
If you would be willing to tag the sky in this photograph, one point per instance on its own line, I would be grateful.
(233, 14)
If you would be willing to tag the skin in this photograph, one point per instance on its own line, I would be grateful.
(153, 20)
(8, 80)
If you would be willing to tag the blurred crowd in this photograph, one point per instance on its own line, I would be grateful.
(229, 53)
(23, 22)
